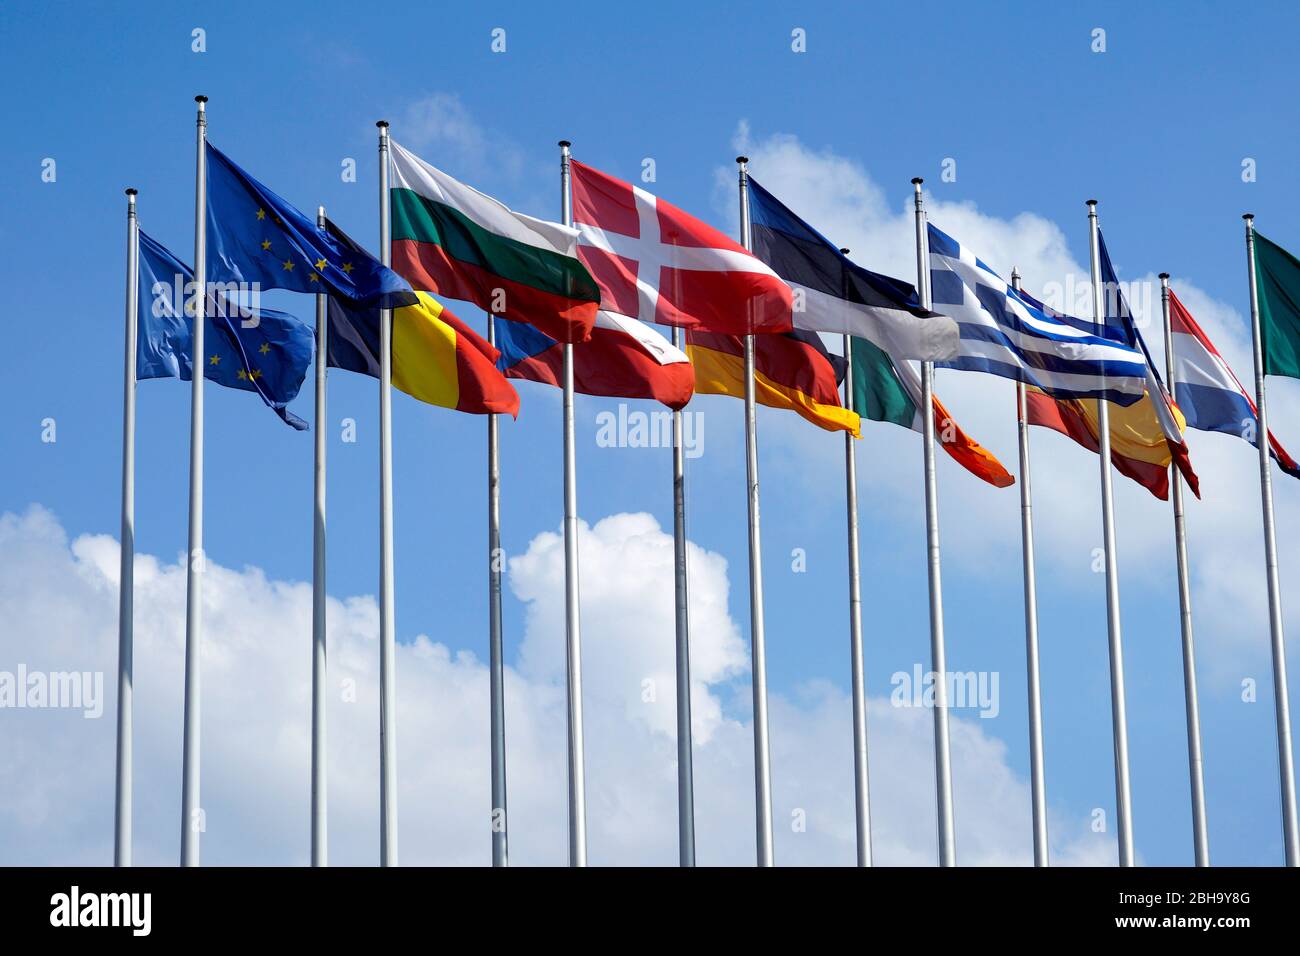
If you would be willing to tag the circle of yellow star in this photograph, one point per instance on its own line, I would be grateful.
(265, 347)
(266, 244)
(287, 265)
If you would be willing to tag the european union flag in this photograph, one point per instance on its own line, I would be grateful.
(254, 236)
(257, 350)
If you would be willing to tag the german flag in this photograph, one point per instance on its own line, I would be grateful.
(792, 370)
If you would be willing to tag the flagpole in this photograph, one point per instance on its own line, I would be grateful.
(1119, 715)
(1282, 704)
(762, 750)
(496, 662)
(685, 763)
(1038, 786)
(938, 657)
(861, 791)
(387, 639)
(572, 608)
(191, 811)
(1200, 832)
(319, 827)
(126, 575)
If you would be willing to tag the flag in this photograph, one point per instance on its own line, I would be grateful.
(623, 358)
(1208, 392)
(791, 370)
(1008, 334)
(1156, 406)
(1277, 282)
(832, 294)
(437, 358)
(655, 263)
(260, 241)
(454, 240)
(256, 350)
(885, 390)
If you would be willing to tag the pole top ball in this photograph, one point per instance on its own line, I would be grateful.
(131, 191)
(917, 180)
(1248, 216)
(1092, 202)
(564, 144)
(200, 98)
(742, 159)
(382, 124)
(1164, 275)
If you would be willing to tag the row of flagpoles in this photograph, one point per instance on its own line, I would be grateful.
(920, 305)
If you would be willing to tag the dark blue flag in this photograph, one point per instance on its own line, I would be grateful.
(257, 350)
(258, 240)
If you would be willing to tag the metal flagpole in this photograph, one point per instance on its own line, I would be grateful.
(572, 607)
(1038, 786)
(191, 812)
(126, 576)
(387, 639)
(1119, 715)
(319, 795)
(861, 792)
(938, 658)
(1200, 832)
(1282, 704)
(762, 751)
(685, 768)
(496, 661)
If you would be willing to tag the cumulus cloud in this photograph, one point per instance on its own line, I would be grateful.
(59, 601)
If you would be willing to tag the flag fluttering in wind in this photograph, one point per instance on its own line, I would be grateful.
(888, 391)
(254, 236)
(452, 239)
(1006, 333)
(1277, 276)
(256, 350)
(437, 358)
(792, 371)
(623, 358)
(656, 263)
(1208, 392)
(833, 294)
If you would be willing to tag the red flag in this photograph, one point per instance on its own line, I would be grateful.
(655, 263)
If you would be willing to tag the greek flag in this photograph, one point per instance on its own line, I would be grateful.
(1011, 335)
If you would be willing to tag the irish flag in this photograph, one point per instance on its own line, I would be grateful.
(452, 239)
(889, 391)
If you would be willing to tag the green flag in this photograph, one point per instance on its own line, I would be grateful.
(878, 393)
(1277, 282)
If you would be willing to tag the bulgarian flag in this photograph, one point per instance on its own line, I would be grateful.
(452, 239)
(889, 391)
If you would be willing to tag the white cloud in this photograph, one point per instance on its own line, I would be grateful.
(59, 602)
(441, 126)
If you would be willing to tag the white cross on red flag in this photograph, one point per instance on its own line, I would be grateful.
(655, 263)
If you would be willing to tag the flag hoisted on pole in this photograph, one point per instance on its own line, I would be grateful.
(1119, 716)
(1038, 786)
(496, 662)
(1200, 832)
(685, 762)
(126, 576)
(758, 651)
(938, 658)
(1282, 704)
(861, 791)
(387, 636)
(319, 827)
(191, 812)
(572, 607)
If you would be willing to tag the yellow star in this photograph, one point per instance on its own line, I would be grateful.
(215, 360)
(256, 373)
(320, 265)
(266, 244)
(314, 277)
(287, 265)
(261, 214)
(242, 375)
(265, 348)
(348, 267)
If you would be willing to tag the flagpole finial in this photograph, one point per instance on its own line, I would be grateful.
(200, 99)
(1092, 202)
(564, 144)
(1015, 275)
(1249, 217)
(1164, 276)
(917, 180)
(132, 191)
(742, 159)
(382, 124)
(844, 251)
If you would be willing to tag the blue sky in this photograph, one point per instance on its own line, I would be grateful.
(1156, 127)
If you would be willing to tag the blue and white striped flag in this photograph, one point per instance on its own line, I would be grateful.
(1009, 335)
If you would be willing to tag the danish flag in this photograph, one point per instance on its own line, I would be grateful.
(655, 263)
